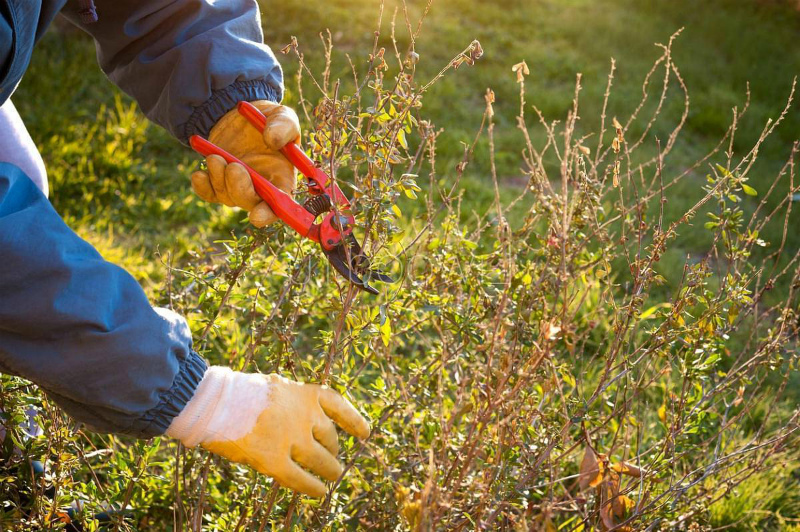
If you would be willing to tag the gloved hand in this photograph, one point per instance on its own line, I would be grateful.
(230, 184)
(275, 425)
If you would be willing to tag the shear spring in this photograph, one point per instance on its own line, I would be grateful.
(318, 204)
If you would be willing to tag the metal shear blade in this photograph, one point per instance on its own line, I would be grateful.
(358, 262)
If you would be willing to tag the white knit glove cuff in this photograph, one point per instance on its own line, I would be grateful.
(225, 406)
(190, 425)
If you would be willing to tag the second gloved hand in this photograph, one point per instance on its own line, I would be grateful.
(230, 184)
(279, 427)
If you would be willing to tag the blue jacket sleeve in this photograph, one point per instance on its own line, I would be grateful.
(186, 62)
(81, 328)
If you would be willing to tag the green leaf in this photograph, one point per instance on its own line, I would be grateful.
(409, 192)
(401, 138)
(750, 191)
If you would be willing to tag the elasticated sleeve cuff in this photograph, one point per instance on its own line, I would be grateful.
(156, 421)
(222, 101)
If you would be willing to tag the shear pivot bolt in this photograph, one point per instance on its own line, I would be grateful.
(339, 222)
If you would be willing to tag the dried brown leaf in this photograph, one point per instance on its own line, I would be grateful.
(489, 97)
(591, 470)
(621, 505)
(521, 69)
(605, 515)
(627, 469)
(739, 396)
(475, 51)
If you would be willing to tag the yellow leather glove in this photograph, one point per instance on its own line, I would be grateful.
(279, 427)
(230, 184)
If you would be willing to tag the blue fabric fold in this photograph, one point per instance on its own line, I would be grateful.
(82, 328)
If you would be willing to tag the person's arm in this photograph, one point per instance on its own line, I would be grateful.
(82, 328)
(186, 62)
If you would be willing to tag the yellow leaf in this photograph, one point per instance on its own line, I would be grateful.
(401, 138)
(621, 505)
(652, 310)
(662, 414)
(386, 330)
(733, 313)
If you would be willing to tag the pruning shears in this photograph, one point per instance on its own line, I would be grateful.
(334, 233)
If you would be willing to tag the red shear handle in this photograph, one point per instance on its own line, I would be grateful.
(320, 181)
(284, 207)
